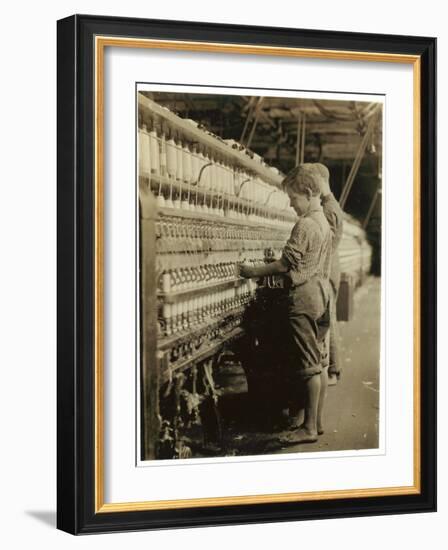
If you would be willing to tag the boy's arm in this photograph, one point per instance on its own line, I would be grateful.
(334, 215)
(273, 268)
(296, 246)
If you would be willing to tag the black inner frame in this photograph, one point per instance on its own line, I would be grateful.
(76, 262)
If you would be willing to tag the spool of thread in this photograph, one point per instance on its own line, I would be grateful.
(167, 315)
(215, 183)
(177, 201)
(144, 152)
(201, 173)
(219, 187)
(194, 165)
(174, 315)
(155, 152)
(171, 158)
(166, 281)
(179, 162)
(167, 311)
(163, 156)
(187, 172)
(207, 173)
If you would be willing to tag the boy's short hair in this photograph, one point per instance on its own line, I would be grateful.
(303, 178)
(322, 170)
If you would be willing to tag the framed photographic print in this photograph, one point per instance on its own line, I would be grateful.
(246, 274)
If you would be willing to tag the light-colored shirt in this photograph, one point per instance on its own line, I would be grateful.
(309, 248)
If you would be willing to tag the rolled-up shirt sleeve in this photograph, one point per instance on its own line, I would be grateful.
(296, 246)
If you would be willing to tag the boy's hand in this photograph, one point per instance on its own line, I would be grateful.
(246, 271)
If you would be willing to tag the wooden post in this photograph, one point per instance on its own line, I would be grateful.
(249, 116)
(257, 115)
(302, 147)
(252, 131)
(299, 134)
(371, 208)
(149, 368)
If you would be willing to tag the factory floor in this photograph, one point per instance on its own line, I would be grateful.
(352, 408)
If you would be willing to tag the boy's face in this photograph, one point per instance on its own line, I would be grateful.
(300, 203)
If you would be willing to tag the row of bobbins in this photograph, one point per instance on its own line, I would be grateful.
(187, 314)
(193, 177)
(191, 236)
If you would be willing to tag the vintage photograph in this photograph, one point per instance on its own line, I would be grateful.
(259, 273)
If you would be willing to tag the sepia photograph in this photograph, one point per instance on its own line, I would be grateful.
(259, 272)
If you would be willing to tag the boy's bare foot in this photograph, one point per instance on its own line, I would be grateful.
(296, 425)
(302, 435)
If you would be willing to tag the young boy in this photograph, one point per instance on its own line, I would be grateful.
(305, 263)
(334, 215)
